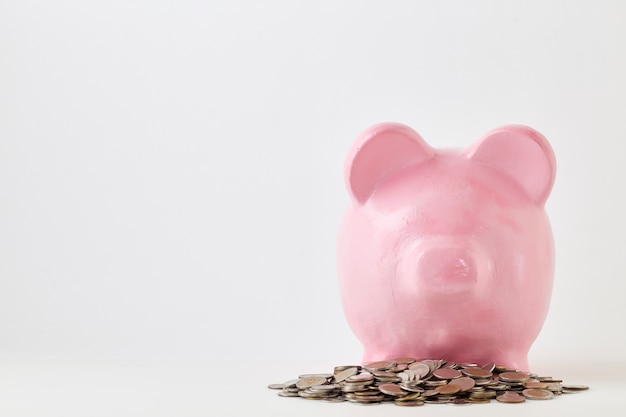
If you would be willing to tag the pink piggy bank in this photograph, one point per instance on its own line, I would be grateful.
(447, 254)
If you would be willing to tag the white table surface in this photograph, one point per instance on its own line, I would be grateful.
(45, 387)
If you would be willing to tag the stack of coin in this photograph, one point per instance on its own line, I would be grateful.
(407, 382)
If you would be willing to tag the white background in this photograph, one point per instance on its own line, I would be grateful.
(171, 171)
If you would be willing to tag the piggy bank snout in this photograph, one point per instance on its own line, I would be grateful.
(445, 267)
(448, 265)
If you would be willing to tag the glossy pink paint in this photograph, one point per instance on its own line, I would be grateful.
(447, 253)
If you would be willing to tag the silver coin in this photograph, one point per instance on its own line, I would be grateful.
(412, 387)
(324, 388)
(337, 399)
(420, 368)
(288, 394)
(353, 388)
(309, 381)
(359, 378)
(346, 373)
(434, 400)
(290, 383)
(479, 400)
(309, 394)
(569, 387)
(323, 375)
(344, 367)
(368, 390)
(555, 387)
(368, 399)
(435, 383)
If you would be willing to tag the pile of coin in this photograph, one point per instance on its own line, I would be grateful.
(407, 382)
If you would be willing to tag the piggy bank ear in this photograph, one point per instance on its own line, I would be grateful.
(379, 152)
(522, 153)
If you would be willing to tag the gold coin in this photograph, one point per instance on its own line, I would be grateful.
(410, 397)
(538, 394)
(514, 377)
(392, 389)
(412, 403)
(461, 401)
(380, 365)
(401, 367)
(448, 389)
(404, 360)
(434, 382)
(510, 397)
(479, 400)
(477, 373)
(465, 383)
(446, 373)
